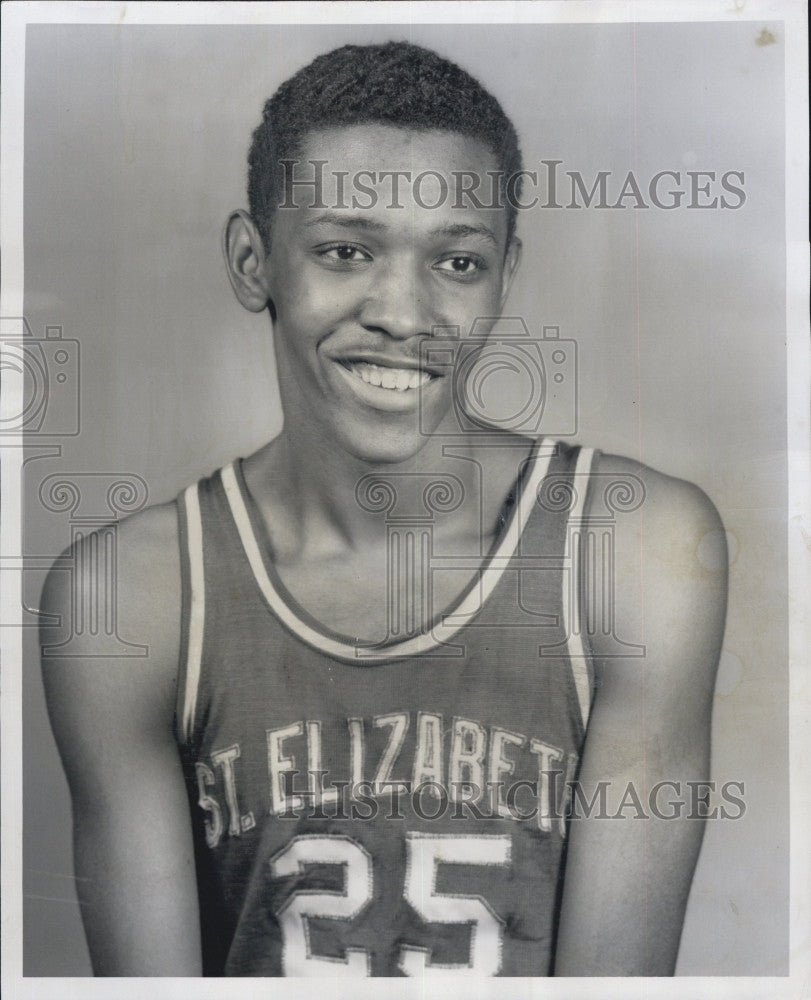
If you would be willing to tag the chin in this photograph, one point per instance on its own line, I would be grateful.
(381, 447)
(388, 453)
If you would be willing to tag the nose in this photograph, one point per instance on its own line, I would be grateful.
(398, 304)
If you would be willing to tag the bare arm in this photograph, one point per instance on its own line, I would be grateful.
(628, 879)
(112, 719)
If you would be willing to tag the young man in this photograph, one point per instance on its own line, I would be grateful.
(379, 649)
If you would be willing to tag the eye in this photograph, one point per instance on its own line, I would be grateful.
(343, 253)
(461, 265)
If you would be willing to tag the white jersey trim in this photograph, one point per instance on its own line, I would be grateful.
(444, 630)
(573, 617)
(197, 608)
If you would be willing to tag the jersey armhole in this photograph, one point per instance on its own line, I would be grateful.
(192, 614)
(579, 647)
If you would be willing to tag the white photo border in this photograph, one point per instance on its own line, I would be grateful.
(15, 19)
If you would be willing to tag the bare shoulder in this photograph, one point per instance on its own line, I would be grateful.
(143, 587)
(669, 557)
(651, 509)
(139, 599)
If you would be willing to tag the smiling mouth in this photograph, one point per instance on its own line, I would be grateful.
(384, 377)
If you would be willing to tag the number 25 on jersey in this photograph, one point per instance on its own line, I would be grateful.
(424, 853)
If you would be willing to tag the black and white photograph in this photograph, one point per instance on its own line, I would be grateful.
(405, 468)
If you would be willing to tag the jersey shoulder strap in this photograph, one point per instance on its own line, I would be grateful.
(193, 607)
(562, 500)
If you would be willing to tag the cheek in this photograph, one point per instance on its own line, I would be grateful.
(483, 301)
(307, 297)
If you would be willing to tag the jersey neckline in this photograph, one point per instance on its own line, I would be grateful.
(256, 545)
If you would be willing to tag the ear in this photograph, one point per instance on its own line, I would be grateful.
(246, 261)
(511, 261)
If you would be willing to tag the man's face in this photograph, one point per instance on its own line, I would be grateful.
(358, 289)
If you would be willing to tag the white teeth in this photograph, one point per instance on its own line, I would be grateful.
(398, 379)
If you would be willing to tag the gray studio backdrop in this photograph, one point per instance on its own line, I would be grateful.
(136, 140)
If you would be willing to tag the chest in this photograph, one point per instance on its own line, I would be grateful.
(396, 587)
(485, 709)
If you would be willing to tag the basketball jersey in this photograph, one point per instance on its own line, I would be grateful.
(386, 810)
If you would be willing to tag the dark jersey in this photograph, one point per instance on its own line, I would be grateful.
(395, 809)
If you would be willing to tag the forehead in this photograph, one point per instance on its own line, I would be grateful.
(376, 146)
(395, 178)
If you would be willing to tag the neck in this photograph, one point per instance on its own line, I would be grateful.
(332, 494)
(320, 500)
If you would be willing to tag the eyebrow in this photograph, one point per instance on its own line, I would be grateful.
(460, 229)
(345, 221)
(455, 230)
